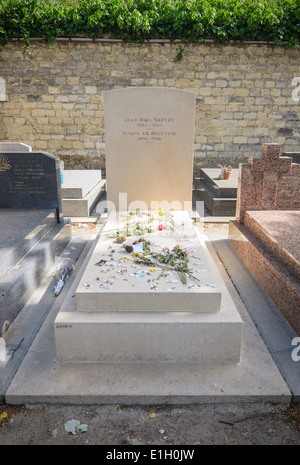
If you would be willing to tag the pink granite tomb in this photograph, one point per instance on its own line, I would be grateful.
(271, 182)
(266, 233)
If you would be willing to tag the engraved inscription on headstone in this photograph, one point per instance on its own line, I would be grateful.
(149, 130)
(30, 180)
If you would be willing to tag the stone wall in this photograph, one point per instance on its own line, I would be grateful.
(244, 95)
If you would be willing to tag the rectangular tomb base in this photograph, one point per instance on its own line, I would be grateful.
(148, 337)
(158, 330)
(29, 244)
(218, 195)
(81, 191)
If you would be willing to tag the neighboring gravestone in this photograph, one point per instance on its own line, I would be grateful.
(81, 191)
(14, 147)
(271, 182)
(294, 155)
(30, 180)
(218, 195)
(149, 143)
(2, 350)
(2, 90)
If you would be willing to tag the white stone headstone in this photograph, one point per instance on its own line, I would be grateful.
(149, 143)
(14, 147)
(2, 350)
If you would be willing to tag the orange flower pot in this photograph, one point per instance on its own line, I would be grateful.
(227, 175)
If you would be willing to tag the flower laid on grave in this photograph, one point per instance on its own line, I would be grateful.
(176, 259)
(136, 229)
(174, 255)
(139, 223)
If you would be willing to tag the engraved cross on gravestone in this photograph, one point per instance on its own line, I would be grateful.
(271, 182)
(271, 165)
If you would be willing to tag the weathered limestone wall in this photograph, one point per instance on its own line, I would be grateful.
(243, 95)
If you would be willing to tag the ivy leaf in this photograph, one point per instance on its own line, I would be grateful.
(138, 20)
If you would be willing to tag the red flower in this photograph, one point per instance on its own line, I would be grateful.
(161, 227)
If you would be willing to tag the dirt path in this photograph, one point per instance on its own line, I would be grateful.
(136, 425)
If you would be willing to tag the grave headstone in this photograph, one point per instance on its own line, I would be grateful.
(2, 350)
(294, 155)
(14, 147)
(271, 182)
(2, 90)
(30, 180)
(149, 143)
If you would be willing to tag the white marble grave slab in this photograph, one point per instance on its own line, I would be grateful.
(146, 335)
(113, 281)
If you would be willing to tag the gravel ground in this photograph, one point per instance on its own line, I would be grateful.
(162, 425)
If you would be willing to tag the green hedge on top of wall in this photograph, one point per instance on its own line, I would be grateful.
(140, 20)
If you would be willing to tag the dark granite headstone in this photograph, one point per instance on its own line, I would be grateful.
(294, 155)
(30, 180)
